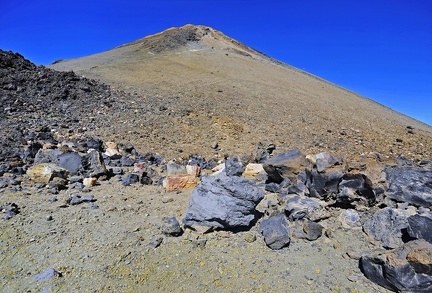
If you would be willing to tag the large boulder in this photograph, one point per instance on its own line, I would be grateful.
(234, 166)
(408, 268)
(96, 164)
(47, 156)
(224, 202)
(386, 225)
(275, 231)
(285, 166)
(323, 185)
(420, 226)
(71, 161)
(411, 185)
(355, 190)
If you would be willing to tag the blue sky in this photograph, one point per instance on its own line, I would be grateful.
(380, 49)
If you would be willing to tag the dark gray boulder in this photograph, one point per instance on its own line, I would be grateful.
(76, 199)
(170, 226)
(96, 164)
(70, 161)
(323, 185)
(299, 189)
(130, 179)
(386, 225)
(355, 190)
(285, 166)
(224, 202)
(47, 156)
(420, 226)
(94, 143)
(312, 230)
(263, 151)
(275, 231)
(408, 268)
(272, 187)
(146, 178)
(234, 166)
(126, 161)
(412, 185)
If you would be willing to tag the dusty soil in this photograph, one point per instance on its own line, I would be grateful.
(177, 97)
(107, 249)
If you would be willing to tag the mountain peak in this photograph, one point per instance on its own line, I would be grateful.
(217, 89)
(173, 38)
(189, 35)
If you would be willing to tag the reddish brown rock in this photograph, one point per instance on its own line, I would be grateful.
(173, 183)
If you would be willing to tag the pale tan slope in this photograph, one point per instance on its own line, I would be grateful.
(217, 89)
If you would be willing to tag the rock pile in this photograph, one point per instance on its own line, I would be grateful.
(38, 103)
(394, 213)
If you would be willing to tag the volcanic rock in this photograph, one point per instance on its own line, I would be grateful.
(234, 166)
(386, 225)
(263, 151)
(10, 210)
(96, 164)
(130, 179)
(355, 190)
(285, 166)
(312, 230)
(324, 160)
(173, 183)
(76, 199)
(71, 161)
(47, 275)
(181, 177)
(323, 185)
(350, 219)
(275, 231)
(223, 202)
(420, 226)
(171, 226)
(408, 268)
(412, 185)
(299, 207)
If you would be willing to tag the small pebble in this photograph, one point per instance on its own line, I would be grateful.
(156, 243)
(353, 278)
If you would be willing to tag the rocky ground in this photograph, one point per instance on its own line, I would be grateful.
(109, 235)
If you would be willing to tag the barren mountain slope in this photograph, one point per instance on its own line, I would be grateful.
(192, 86)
